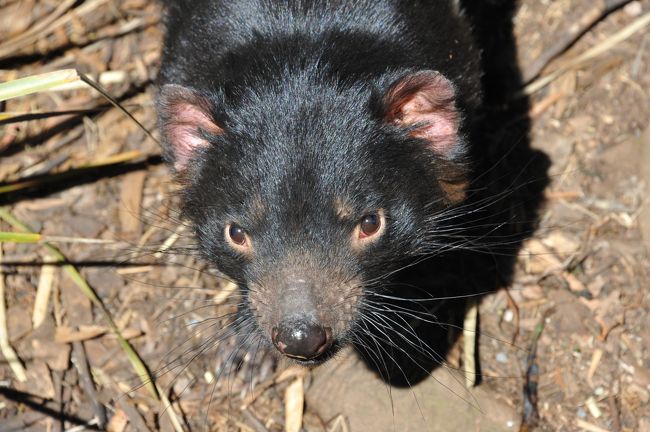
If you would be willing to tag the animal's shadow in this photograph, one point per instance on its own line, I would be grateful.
(501, 211)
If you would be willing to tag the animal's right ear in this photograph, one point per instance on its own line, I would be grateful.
(185, 119)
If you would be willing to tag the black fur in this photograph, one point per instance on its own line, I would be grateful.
(299, 89)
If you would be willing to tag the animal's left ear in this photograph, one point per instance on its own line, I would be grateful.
(425, 102)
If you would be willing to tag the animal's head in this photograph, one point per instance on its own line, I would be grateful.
(308, 193)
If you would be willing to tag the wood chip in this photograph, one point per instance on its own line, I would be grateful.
(55, 354)
(118, 422)
(574, 283)
(39, 381)
(589, 427)
(68, 334)
(595, 361)
(131, 202)
(43, 291)
(133, 270)
(593, 408)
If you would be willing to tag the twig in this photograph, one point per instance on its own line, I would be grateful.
(512, 304)
(34, 33)
(470, 330)
(133, 156)
(595, 51)
(57, 380)
(81, 362)
(588, 20)
(613, 407)
(43, 293)
(531, 415)
(125, 402)
(115, 103)
(48, 25)
(253, 421)
(7, 351)
(294, 400)
(586, 426)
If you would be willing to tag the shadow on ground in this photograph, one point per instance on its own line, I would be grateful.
(500, 213)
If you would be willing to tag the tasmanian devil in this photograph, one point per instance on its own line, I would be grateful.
(322, 147)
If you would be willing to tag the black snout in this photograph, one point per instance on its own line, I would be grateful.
(301, 339)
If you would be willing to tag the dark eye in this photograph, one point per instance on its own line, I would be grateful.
(237, 234)
(369, 225)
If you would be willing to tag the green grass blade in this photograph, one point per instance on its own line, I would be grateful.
(36, 83)
(19, 237)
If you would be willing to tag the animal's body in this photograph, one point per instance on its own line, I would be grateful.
(324, 147)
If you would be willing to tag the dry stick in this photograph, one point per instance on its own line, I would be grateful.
(57, 380)
(577, 30)
(7, 351)
(49, 25)
(595, 51)
(512, 304)
(43, 292)
(294, 400)
(118, 159)
(530, 415)
(81, 362)
(470, 330)
(613, 407)
(28, 37)
(253, 421)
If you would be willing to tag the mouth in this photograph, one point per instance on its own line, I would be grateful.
(312, 362)
(330, 352)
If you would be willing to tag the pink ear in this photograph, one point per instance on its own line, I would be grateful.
(426, 101)
(184, 115)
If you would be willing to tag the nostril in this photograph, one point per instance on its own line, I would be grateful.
(278, 343)
(301, 340)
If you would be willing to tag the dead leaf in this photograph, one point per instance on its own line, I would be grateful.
(55, 354)
(68, 334)
(131, 202)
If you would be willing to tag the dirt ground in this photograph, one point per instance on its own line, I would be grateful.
(578, 310)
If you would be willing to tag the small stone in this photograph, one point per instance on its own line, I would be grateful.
(508, 316)
(502, 358)
(633, 9)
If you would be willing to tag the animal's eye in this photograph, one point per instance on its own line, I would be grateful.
(369, 225)
(236, 234)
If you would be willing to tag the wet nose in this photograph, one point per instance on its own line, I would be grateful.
(301, 339)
